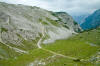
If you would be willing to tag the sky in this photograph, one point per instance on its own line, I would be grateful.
(73, 7)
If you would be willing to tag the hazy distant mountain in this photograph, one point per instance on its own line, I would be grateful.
(80, 19)
(92, 21)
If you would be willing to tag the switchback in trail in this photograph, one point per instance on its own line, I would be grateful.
(39, 46)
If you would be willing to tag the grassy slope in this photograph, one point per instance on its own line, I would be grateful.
(39, 55)
(77, 46)
(7, 50)
(73, 48)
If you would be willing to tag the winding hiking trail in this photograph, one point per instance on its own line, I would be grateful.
(59, 54)
(39, 46)
(43, 35)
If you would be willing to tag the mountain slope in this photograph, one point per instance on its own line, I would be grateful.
(21, 28)
(92, 21)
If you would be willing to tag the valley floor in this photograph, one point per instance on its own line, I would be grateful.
(61, 53)
(75, 51)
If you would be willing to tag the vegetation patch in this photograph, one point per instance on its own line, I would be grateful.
(43, 22)
(54, 22)
(4, 30)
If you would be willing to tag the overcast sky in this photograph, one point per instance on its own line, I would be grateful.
(73, 7)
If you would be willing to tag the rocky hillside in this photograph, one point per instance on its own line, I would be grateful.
(22, 26)
(92, 21)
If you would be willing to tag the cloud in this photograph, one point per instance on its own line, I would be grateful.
(73, 7)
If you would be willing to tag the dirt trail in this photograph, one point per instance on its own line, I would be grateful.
(59, 54)
(43, 35)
